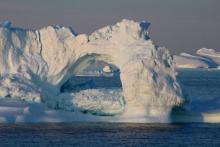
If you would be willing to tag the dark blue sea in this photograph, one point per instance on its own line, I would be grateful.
(109, 135)
(201, 86)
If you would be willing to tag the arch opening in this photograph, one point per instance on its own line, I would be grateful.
(93, 71)
(95, 86)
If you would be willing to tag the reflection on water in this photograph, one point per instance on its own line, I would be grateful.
(109, 134)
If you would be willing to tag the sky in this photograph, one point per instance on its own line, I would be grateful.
(180, 25)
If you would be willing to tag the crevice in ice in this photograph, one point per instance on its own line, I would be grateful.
(41, 46)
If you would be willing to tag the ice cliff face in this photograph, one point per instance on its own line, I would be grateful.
(51, 55)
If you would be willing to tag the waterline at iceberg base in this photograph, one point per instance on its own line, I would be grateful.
(36, 64)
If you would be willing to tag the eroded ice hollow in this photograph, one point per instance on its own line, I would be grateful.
(35, 64)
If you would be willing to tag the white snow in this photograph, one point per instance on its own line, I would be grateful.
(34, 64)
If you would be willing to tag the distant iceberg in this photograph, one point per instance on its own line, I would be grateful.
(34, 64)
(204, 58)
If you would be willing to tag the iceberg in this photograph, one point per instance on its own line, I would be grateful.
(185, 60)
(204, 58)
(35, 64)
(210, 54)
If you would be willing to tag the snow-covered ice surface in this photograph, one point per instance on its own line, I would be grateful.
(204, 58)
(36, 64)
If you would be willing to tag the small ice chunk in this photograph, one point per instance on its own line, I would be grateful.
(107, 69)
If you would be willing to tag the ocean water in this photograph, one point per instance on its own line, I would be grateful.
(109, 135)
(201, 86)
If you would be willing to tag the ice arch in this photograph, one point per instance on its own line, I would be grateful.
(87, 60)
(88, 73)
(52, 53)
